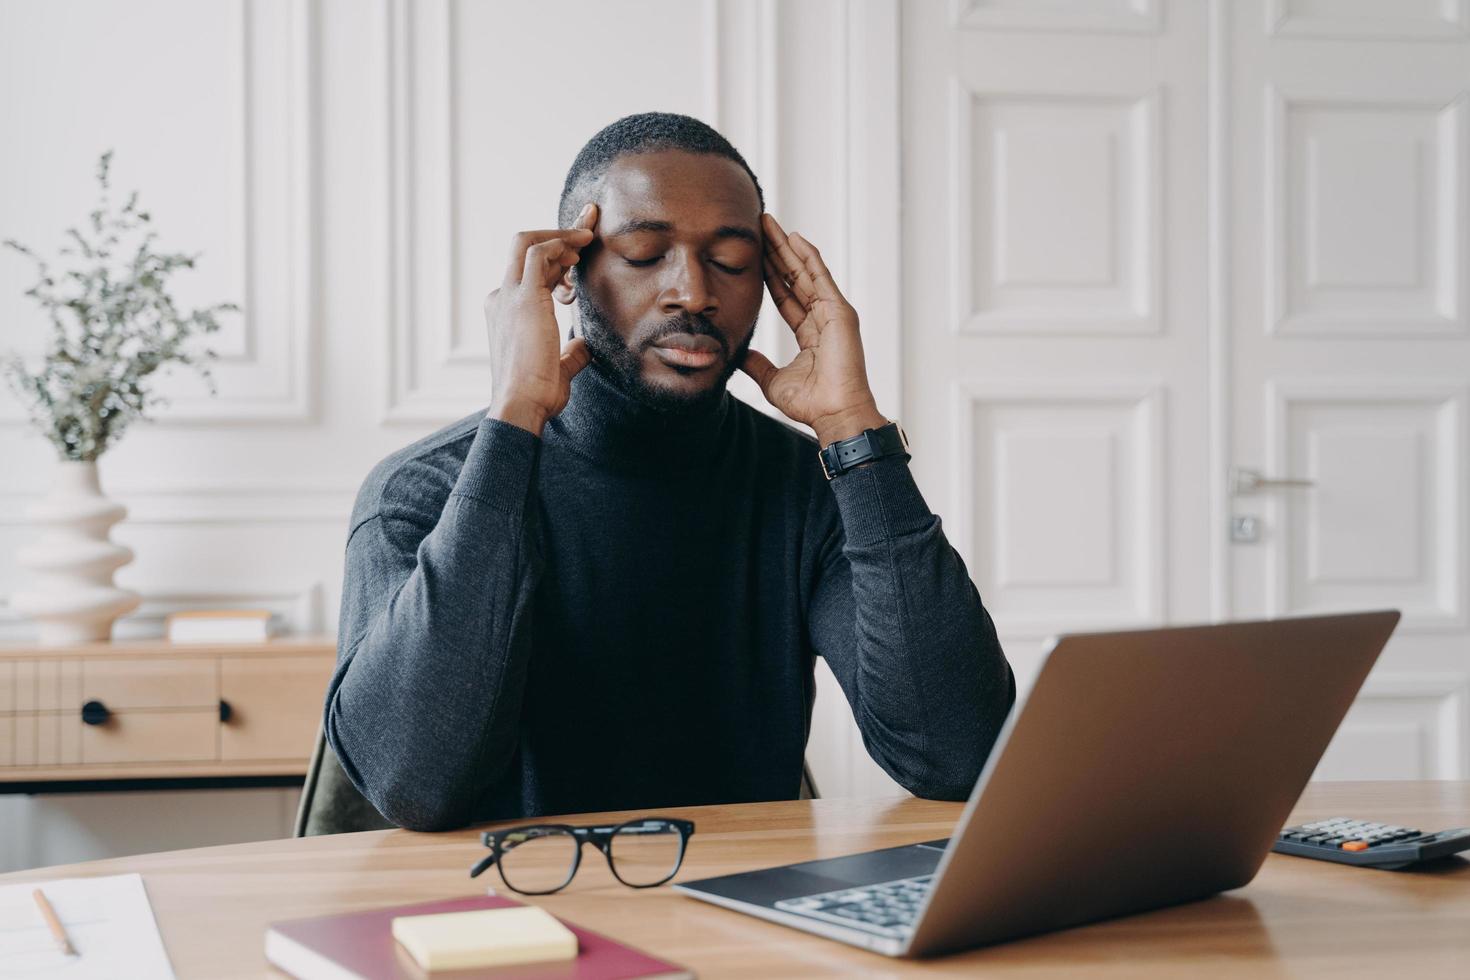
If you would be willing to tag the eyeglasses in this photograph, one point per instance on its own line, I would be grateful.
(539, 859)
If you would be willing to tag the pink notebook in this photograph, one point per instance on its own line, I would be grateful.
(360, 944)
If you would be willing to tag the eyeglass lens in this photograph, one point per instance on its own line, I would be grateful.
(646, 852)
(538, 859)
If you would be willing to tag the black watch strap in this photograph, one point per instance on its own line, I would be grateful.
(870, 444)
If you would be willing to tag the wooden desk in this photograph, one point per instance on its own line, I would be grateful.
(1297, 918)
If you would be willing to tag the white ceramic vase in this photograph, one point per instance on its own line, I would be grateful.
(74, 600)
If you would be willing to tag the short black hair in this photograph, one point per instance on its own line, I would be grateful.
(645, 132)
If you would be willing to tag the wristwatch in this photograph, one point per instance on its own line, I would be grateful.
(870, 444)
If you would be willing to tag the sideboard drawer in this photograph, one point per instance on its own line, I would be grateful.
(121, 684)
(7, 690)
(152, 736)
(275, 705)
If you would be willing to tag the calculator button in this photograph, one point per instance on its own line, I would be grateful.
(1355, 845)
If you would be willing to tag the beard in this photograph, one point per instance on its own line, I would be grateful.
(624, 364)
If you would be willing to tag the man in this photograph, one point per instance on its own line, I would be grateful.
(608, 591)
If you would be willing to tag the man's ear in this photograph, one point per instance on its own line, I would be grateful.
(565, 290)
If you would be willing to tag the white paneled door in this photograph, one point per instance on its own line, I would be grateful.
(1349, 348)
(1054, 306)
(1160, 257)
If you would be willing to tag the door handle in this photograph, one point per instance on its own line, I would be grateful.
(1244, 482)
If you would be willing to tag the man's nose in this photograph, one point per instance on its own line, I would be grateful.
(687, 288)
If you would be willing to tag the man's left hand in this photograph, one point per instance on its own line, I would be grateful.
(826, 384)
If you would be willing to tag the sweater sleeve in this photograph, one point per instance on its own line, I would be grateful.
(434, 637)
(895, 615)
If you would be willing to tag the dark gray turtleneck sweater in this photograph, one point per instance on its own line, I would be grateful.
(624, 613)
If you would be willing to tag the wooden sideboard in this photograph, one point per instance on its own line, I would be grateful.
(146, 711)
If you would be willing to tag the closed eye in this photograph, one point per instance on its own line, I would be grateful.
(641, 263)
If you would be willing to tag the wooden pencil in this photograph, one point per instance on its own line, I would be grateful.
(63, 941)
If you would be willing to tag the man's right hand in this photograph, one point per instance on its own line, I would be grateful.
(531, 372)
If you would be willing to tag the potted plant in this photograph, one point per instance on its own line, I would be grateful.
(113, 326)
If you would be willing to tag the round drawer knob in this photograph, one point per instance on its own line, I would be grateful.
(225, 711)
(95, 713)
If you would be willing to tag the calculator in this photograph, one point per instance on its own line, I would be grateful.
(1372, 845)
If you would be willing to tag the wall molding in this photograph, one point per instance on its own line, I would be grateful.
(1218, 292)
(1138, 307)
(270, 373)
(1451, 396)
(1452, 24)
(1445, 697)
(873, 189)
(1148, 601)
(434, 374)
(224, 503)
(421, 211)
(1080, 17)
(869, 34)
(271, 379)
(1447, 217)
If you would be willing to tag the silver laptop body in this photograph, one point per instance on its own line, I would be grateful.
(1143, 769)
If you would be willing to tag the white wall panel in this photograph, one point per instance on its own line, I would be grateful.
(228, 169)
(451, 159)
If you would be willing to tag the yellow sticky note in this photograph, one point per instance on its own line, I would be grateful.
(484, 937)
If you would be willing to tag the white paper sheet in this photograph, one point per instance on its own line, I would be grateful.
(109, 921)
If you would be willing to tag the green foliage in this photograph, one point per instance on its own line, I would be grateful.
(113, 325)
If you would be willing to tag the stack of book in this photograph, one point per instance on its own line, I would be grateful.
(220, 626)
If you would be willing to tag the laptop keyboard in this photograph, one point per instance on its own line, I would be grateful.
(886, 909)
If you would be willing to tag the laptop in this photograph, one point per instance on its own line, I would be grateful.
(1143, 769)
